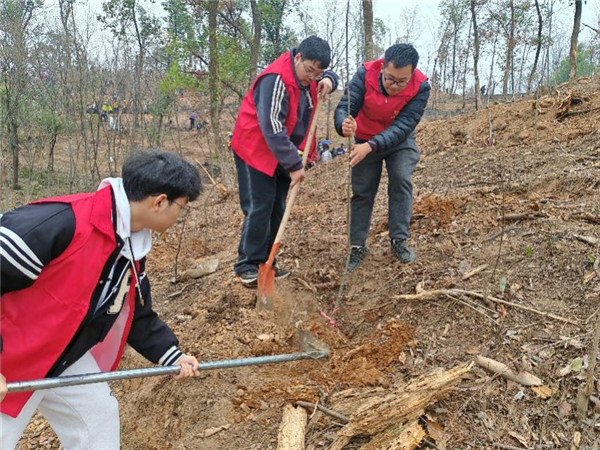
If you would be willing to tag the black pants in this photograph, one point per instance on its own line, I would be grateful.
(262, 199)
(400, 163)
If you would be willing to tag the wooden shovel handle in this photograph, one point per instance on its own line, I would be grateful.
(294, 193)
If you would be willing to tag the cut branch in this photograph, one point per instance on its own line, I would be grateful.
(523, 378)
(431, 295)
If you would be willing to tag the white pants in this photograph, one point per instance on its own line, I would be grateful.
(84, 417)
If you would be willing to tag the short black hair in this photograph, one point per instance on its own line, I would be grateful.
(313, 48)
(401, 55)
(152, 172)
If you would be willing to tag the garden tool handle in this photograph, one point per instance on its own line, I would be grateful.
(89, 378)
(294, 193)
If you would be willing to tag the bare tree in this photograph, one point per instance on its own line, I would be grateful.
(475, 52)
(368, 28)
(574, 39)
(538, 47)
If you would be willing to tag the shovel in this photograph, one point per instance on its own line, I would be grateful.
(89, 378)
(266, 271)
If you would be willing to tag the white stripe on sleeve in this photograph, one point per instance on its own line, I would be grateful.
(18, 266)
(26, 252)
(276, 100)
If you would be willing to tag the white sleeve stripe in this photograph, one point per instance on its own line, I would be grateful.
(167, 355)
(21, 243)
(22, 258)
(278, 93)
(173, 359)
(310, 103)
(16, 265)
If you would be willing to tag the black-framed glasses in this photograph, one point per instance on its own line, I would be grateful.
(310, 70)
(395, 82)
(184, 210)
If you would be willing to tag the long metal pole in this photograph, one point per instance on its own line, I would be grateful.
(88, 378)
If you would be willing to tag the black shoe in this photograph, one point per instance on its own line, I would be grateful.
(280, 274)
(404, 253)
(249, 278)
(357, 254)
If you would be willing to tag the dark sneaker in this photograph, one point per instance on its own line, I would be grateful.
(249, 278)
(357, 254)
(404, 253)
(280, 274)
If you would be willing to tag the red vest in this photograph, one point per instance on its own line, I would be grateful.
(39, 322)
(247, 141)
(378, 111)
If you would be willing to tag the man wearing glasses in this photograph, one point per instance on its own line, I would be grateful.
(74, 291)
(387, 100)
(269, 135)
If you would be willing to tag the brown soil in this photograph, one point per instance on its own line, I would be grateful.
(542, 161)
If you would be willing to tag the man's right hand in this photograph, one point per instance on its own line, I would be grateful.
(3, 387)
(349, 126)
(297, 176)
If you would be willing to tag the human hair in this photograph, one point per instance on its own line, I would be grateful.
(313, 48)
(153, 172)
(401, 55)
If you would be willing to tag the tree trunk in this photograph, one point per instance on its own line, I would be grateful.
(368, 25)
(255, 44)
(574, 39)
(464, 74)
(475, 54)
(539, 46)
(214, 84)
(510, 43)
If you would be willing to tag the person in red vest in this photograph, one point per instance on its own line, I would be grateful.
(270, 132)
(74, 292)
(387, 100)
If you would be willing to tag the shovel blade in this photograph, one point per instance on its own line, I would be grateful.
(266, 287)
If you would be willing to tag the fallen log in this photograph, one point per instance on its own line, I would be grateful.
(400, 408)
(406, 438)
(292, 428)
(523, 378)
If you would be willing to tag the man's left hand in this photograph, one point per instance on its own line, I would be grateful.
(325, 86)
(359, 152)
(189, 365)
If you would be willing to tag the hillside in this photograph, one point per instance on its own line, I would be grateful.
(522, 207)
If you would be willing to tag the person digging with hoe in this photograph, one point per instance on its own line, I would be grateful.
(270, 131)
(74, 291)
(388, 99)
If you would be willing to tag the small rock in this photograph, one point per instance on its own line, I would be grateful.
(265, 337)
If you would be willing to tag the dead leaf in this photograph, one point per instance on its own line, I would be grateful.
(564, 410)
(437, 433)
(576, 440)
(542, 391)
(211, 431)
(519, 438)
(589, 277)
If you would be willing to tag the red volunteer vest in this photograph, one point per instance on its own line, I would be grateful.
(247, 141)
(38, 323)
(378, 111)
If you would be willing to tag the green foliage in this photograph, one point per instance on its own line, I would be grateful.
(586, 66)
(528, 251)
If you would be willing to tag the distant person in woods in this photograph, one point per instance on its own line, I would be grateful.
(270, 132)
(482, 90)
(387, 100)
(74, 291)
(193, 118)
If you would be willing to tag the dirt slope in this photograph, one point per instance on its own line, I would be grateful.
(515, 202)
